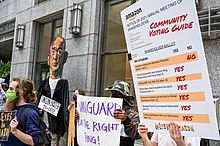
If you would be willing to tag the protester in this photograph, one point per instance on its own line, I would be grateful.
(127, 114)
(22, 93)
(76, 92)
(2, 97)
(5, 86)
(173, 139)
(57, 89)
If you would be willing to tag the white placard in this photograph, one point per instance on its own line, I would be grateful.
(96, 125)
(169, 68)
(49, 105)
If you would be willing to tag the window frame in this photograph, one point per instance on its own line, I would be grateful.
(102, 52)
(52, 18)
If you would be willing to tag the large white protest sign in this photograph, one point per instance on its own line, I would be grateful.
(168, 66)
(96, 125)
(49, 105)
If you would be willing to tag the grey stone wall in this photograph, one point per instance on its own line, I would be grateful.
(80, 68)
(212, 52)
(8, 10)
(205, 3)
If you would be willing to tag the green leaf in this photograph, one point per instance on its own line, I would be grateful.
(4, 69)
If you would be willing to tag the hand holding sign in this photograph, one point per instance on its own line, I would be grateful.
(142, 130)
(120, 114)
(13, 125)
(175, 133)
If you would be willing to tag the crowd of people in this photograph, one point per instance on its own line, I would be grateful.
(21, 95)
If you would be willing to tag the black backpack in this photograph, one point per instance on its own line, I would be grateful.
(44, 135)
(204, 142)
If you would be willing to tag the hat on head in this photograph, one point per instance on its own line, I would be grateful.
(1, 81)
(121, 86)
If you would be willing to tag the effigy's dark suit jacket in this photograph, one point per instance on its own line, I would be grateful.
(57, 124)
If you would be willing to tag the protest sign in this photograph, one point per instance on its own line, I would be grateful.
(168, 67)
(5, 119)
(49, 105)
(96, 125)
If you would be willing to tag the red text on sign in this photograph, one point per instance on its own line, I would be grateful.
(179, 69)
(182, 26)
(180, 78)
(185, 107)
(187, 118)
(184, 97)
(191, 57)
(182, 87)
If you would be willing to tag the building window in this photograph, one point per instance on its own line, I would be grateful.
(115, 64)
(48, 31)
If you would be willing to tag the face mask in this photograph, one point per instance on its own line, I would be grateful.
(11, 95)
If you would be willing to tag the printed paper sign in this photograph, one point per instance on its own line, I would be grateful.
(169, 68)
(49, 105)
(5, 119)
(96, 125)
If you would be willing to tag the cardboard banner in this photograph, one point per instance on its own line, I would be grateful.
(5, 119)
(169, 68)
(49, 105)
(96, 125)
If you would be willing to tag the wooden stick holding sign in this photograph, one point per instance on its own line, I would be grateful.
(71, 128)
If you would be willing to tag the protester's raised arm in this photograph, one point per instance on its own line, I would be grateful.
(175, 134)
(142, 130)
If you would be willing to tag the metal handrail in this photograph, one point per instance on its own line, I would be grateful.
(203, 18)
(210, 21)
(216, 9)
(215, 16)
(202, 12)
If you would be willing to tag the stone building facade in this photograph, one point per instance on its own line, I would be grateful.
(98, 56)
(80, 68)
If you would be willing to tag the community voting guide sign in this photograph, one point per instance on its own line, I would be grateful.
(96, 125)
(169, 67)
